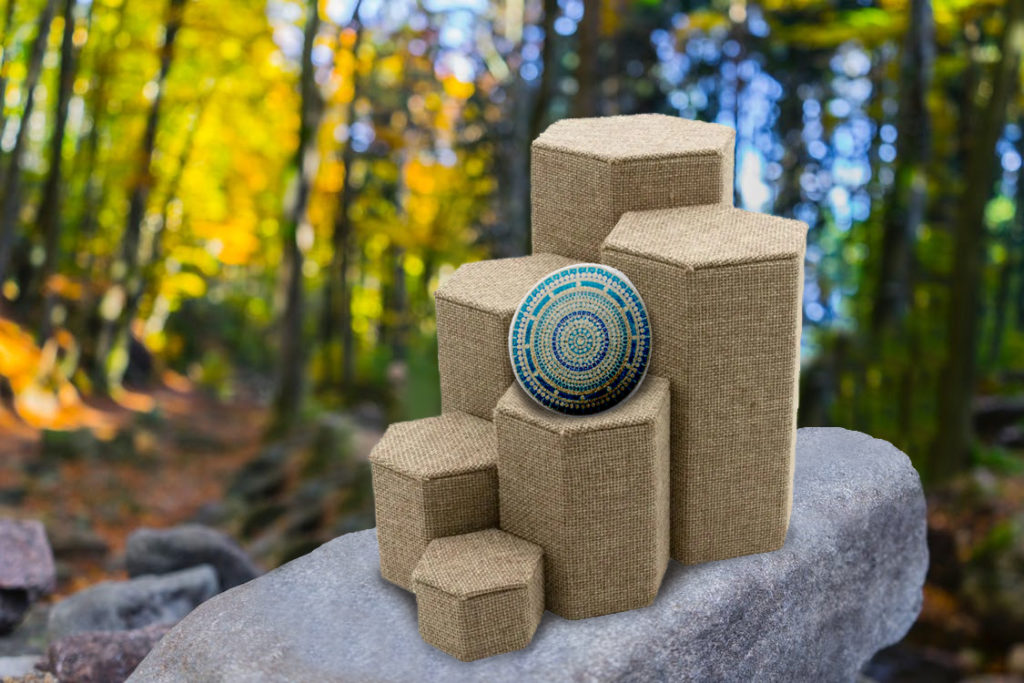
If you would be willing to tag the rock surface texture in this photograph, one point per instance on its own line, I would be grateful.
(846, 583)
(140, 602)
(160, 551)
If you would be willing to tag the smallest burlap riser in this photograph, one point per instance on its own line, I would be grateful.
(474, 310)
(479, 594)
(432, 478)
(593, 492)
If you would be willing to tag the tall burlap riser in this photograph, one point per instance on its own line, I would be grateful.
(474, 309)
(586, 173)
(479, 594)
(727, 337)
(593, 493)
(432, 478)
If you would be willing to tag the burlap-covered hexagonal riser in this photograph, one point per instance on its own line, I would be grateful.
(585, 173)
(723, 290)
(432, 478)
(479, 594)
(592, 491)
(474, 309)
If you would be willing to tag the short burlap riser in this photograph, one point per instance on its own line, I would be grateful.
(723, 290)
(585, 173)
(433, 477)
(474, 310)
(479, 594)
(593, 492)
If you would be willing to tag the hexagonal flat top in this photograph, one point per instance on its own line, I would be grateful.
(482, 562)
(435, 447)
(498, 285)
(707, 236)
(640, 136)
(640, 408)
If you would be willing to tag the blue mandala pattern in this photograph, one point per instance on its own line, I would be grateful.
(580, 341)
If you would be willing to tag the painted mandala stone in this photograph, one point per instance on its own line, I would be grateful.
(580, 340)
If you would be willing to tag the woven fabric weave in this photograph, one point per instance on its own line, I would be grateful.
(474, 309)
(432, 478)
(585, 173)
(593, 492)
(727, 315)
(479, 594)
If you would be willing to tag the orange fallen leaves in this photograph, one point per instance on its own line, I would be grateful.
(43, 395)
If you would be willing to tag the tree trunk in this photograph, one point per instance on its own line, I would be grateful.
(5, 59)
(148, 279)
(85, 159)
(12, 180)
(337, 309)
(906, 207)
(399, 306)
(585, 102)
(547, 80)
(542, 101)
(116, 329)
(50, 205)
(952, 446)
(288, 395)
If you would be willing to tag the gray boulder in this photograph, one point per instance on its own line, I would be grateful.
(847, 583)
(132, 604)
(159, 551)
(27, 570)
(101, 656)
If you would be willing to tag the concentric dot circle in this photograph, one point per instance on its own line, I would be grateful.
(580, 340)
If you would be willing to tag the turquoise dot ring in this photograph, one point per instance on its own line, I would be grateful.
(580, 340)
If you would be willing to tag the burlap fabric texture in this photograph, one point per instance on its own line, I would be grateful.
(593, 492)
(586, 173)
(474, 309)
(723, 290)
(479, 594)
(432, 477)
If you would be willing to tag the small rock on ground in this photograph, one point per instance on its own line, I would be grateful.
(101, 656)
(17, 667)
(27, 570)
(133, 604)
(159, 551)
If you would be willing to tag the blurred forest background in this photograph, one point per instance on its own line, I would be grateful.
(221, 225)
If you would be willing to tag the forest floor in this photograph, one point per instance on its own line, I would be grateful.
(149, 459)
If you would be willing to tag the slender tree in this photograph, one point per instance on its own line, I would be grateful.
(288, 394)
(8, 45)
(337, 310)
(953, 437)
(12, 179)
(87, 156)
(50, 205)
(148, 280)
(115, 328)
(585, 102)
(550, 65)
(906, 206)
